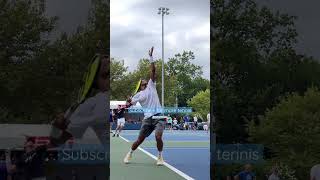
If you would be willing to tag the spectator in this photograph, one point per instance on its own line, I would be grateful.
(188, 123)
(185, 122)
(13, 174)
(3, 167)
(32, 162)
(169, 122)
(246, 174)
(195, 121)
(112, 114)
(205, 127)
(315, 172)
(175, 121)
(274, 174)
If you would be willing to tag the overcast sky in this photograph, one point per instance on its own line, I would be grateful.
(136, 26)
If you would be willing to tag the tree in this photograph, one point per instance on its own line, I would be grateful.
(46, 78)
(290, 130)
(187, 76)
(253, 63)
(24, 27)
(182, 79)
(200, 103)
(119, 80)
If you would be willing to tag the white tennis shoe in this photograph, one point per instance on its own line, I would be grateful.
(128, 158)
(160, 161)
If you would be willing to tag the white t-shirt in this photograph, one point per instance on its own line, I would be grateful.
(175, 122)
(148, 99)
(195, 119)
(315, 172)
(208, 117)
(93, 113)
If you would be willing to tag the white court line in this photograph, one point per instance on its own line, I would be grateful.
(180, 148)
(166, 164)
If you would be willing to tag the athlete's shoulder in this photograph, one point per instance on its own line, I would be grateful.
(151, 83)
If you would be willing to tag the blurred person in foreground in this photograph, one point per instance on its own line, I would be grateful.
(92, 112)
(315, 172)
(246, 174)
(274, 174)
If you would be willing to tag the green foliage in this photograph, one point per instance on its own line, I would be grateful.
(242, 21)
(38, 78)
(182, 79)
(21, 29)
(285, 172)
(253, 64)
(187, 76)
(201, 103)
(290, 130)
(120, 84)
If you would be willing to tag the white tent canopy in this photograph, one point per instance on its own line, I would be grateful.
(114, 104)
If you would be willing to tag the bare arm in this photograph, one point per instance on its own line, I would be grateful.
(152, 66)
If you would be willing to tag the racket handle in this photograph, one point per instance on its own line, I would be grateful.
(55, 132)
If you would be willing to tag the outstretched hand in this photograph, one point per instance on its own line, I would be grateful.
(151, 51)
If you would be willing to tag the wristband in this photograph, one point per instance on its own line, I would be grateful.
(151, 59)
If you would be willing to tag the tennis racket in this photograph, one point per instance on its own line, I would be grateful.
(61, 122)
(88, 79)
(136, 88)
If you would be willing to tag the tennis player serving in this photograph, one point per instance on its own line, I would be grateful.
(147, 96)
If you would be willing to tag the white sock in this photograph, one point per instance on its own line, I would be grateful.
(160, 154)
(131, 151)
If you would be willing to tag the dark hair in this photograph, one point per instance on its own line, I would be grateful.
(141, 83)
(95, 81)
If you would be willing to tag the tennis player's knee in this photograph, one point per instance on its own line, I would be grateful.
(159, 137)
(141, 139)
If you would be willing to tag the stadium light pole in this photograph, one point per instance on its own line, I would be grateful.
(162, 11)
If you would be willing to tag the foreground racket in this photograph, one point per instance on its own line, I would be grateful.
(89, 78)
(61, 122)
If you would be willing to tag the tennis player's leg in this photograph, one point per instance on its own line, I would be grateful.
(159, 128)
(146, 129)
(121, 125)
(117, 128)
(115, 131)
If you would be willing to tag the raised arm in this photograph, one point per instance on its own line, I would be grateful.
(152, 66)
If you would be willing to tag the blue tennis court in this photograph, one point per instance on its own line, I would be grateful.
(187, 151)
